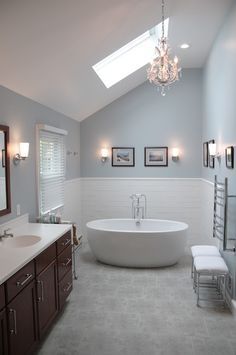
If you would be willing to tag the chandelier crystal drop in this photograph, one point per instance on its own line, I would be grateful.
(163, 70)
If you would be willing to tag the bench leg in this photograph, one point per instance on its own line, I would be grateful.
(224, 288)
(198, 296)
(192, 269)
(194, 279)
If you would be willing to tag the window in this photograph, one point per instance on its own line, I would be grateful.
(129, 58)
(51, 168)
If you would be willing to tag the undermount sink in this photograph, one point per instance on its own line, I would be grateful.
(21, 241)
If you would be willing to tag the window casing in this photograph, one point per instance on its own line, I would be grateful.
(51, 168)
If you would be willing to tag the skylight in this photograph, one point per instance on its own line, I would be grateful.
(129, 58)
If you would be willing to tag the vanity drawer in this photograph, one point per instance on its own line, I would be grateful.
(2, 297)
(45, 258)
(63, 242)
(18, 281)
(64, 262)
(65, 288)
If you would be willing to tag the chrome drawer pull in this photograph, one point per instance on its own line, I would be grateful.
(28, 277)
(67, 263)
(41, 298)
(13, 331)
(66, 242)
(66, 289)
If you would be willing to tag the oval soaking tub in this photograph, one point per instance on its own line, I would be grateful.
(122, 242)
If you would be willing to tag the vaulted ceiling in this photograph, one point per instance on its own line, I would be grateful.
(48, 47)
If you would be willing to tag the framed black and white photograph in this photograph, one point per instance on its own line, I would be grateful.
(123, 156)
(156, 156)
(205, 154)
(211, 158)
(229, 157)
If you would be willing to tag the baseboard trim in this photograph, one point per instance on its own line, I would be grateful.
(139, 178)
(71, 181)
(207, 181)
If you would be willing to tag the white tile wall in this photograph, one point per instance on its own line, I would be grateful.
(189, 200)
(207, 206)
(72, 207)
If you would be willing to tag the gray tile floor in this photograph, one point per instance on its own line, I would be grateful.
(118, 311)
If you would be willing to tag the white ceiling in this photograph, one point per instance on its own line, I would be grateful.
(48, 47)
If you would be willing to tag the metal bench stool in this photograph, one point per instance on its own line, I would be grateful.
(214, 267)
(203, 250)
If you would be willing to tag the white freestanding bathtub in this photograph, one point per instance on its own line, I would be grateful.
(122, 242)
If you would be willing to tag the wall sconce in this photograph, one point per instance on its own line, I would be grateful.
(104, 154)
(175, 154)
(212, 150)
(23, 153)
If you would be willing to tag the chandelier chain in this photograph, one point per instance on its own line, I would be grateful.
(163, 18)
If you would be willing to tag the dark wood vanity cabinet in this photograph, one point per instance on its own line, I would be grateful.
(45, 258)
(3, 322)
(17, 282)
(22, 324)
(65, 287)
(47, 299)
(64, 262)
(2, 297)
(3, 333)
(63, 242)
(34, 296)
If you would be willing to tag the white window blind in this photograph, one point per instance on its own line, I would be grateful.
(51, 170)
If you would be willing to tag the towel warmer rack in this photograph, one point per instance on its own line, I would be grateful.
(220, 220)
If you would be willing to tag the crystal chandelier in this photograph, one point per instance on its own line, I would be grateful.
(163, 70)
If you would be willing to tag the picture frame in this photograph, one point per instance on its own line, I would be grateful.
(123, 157)
(229, 157)
(211, 159)
(156, 156)
(205, 154)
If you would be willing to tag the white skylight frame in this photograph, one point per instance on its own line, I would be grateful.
(129, 58)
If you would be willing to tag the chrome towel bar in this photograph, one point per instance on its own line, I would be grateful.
(220, 216)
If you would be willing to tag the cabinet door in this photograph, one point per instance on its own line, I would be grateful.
(63, 242)
(45, 258)
(2, 297)
(64, 262)
(3, 333)
(65, 287)
(19, 280)
(47, 303)
(21, 313)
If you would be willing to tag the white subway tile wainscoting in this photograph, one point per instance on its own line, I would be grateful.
(175, 199)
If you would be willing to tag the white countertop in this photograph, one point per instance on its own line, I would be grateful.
(13, 259)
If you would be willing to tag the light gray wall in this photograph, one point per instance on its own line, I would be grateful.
(219, 119)
(144, 118)
(21, 115)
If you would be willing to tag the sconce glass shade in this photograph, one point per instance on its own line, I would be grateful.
(104, 154)
(23, 153)
(24, 150)
(212, 149)
(175, 152)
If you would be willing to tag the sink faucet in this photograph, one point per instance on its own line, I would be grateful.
(139, 207)
(6, 234)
